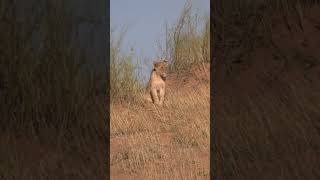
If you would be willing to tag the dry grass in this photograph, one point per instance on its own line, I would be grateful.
(172, 142)
(124, 79)
(187, 40)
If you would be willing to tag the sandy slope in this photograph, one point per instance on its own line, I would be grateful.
(164, 143)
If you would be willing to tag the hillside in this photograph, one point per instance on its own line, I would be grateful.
(172, 142)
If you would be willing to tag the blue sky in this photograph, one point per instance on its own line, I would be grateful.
(146, 19)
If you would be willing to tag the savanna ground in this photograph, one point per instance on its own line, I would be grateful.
(267, 64)
(169, 142)
(172, 142)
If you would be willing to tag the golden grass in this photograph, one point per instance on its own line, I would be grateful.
(171, 142)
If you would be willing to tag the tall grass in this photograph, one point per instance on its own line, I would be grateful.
(52, 99)
(124, 82)
(169, 142)
(186, 44)
(162, 143)
(187, 41)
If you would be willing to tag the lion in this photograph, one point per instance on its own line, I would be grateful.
(157, 82)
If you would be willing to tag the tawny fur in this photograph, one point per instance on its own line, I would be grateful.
(156, 85)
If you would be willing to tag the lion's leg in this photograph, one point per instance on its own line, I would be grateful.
(154, 96)
(161, 93)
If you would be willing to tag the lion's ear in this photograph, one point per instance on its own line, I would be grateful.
(156, 64)
(166, 63)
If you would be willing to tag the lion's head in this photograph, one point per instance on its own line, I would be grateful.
(161, 68)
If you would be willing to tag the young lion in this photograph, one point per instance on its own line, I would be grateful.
(156, 84)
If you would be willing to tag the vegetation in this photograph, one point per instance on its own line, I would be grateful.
(186, 44)
(171, 142)
(188, 40)
(124, 80)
